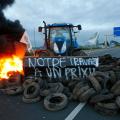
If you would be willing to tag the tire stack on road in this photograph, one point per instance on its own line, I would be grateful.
(100, 89)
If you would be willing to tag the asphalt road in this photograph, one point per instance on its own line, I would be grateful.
(115, 52)
(12, 107)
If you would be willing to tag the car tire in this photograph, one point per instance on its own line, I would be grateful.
(33, 100)
(31, 91)
(55, 102)
(95, 83)
(14, 90)
(79, 91)
(87, 95)
(101, 97)
(118, 101)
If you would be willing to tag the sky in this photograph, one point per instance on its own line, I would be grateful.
(93, 15)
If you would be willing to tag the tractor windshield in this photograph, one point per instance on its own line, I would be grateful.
(59, 39)
(59, 32)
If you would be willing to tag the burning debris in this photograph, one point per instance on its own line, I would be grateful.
(12, 50)
(10, 65)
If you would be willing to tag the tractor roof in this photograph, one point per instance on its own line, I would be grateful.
(60, 25)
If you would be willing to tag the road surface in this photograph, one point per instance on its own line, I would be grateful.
(12, 108)
(115, 52)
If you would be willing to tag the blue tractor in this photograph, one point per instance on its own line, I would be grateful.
(60, 40)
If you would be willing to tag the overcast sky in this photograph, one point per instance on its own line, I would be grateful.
(91, 14)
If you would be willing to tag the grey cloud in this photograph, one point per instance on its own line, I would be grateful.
(90, 13)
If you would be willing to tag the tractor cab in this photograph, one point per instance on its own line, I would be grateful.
(60, 38)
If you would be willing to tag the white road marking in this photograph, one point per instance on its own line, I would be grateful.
(72, 115)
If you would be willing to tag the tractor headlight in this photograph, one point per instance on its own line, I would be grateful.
(63, 49)
(56, 48)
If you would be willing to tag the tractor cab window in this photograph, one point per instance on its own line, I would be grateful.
(59, 39)
(57, 32)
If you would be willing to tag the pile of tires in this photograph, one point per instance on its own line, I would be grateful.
(101, 90)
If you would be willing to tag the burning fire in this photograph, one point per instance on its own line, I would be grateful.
(9, 66)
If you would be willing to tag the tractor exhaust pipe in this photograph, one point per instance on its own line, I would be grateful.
(45, 26)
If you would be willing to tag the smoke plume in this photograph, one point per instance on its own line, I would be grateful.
(7, 26)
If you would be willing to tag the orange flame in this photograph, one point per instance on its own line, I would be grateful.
(9, 65)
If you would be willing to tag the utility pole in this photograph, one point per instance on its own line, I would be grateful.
(34, 39)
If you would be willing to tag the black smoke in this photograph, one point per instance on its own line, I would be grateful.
(13, 28)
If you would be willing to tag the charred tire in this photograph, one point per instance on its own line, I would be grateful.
(95, 83)
(79, 91)
(60, 88)
(14, 90)
(117, 73)
(44, 93)
(112, 76)
(99, 107)
(117, 91)
(32, 90)
(33, 100)
(55, 102)
(103, 75)
(67, 92)
(118, 101)
(78, 86)
(86, 95)
(2, 84)
(105, 68)
(72, 84)
(56, 87)
(101, 97)
(13, 82)
(27, 82)
(115, 86)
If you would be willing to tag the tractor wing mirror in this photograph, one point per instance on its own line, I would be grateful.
(79, 27)
(39, 29)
